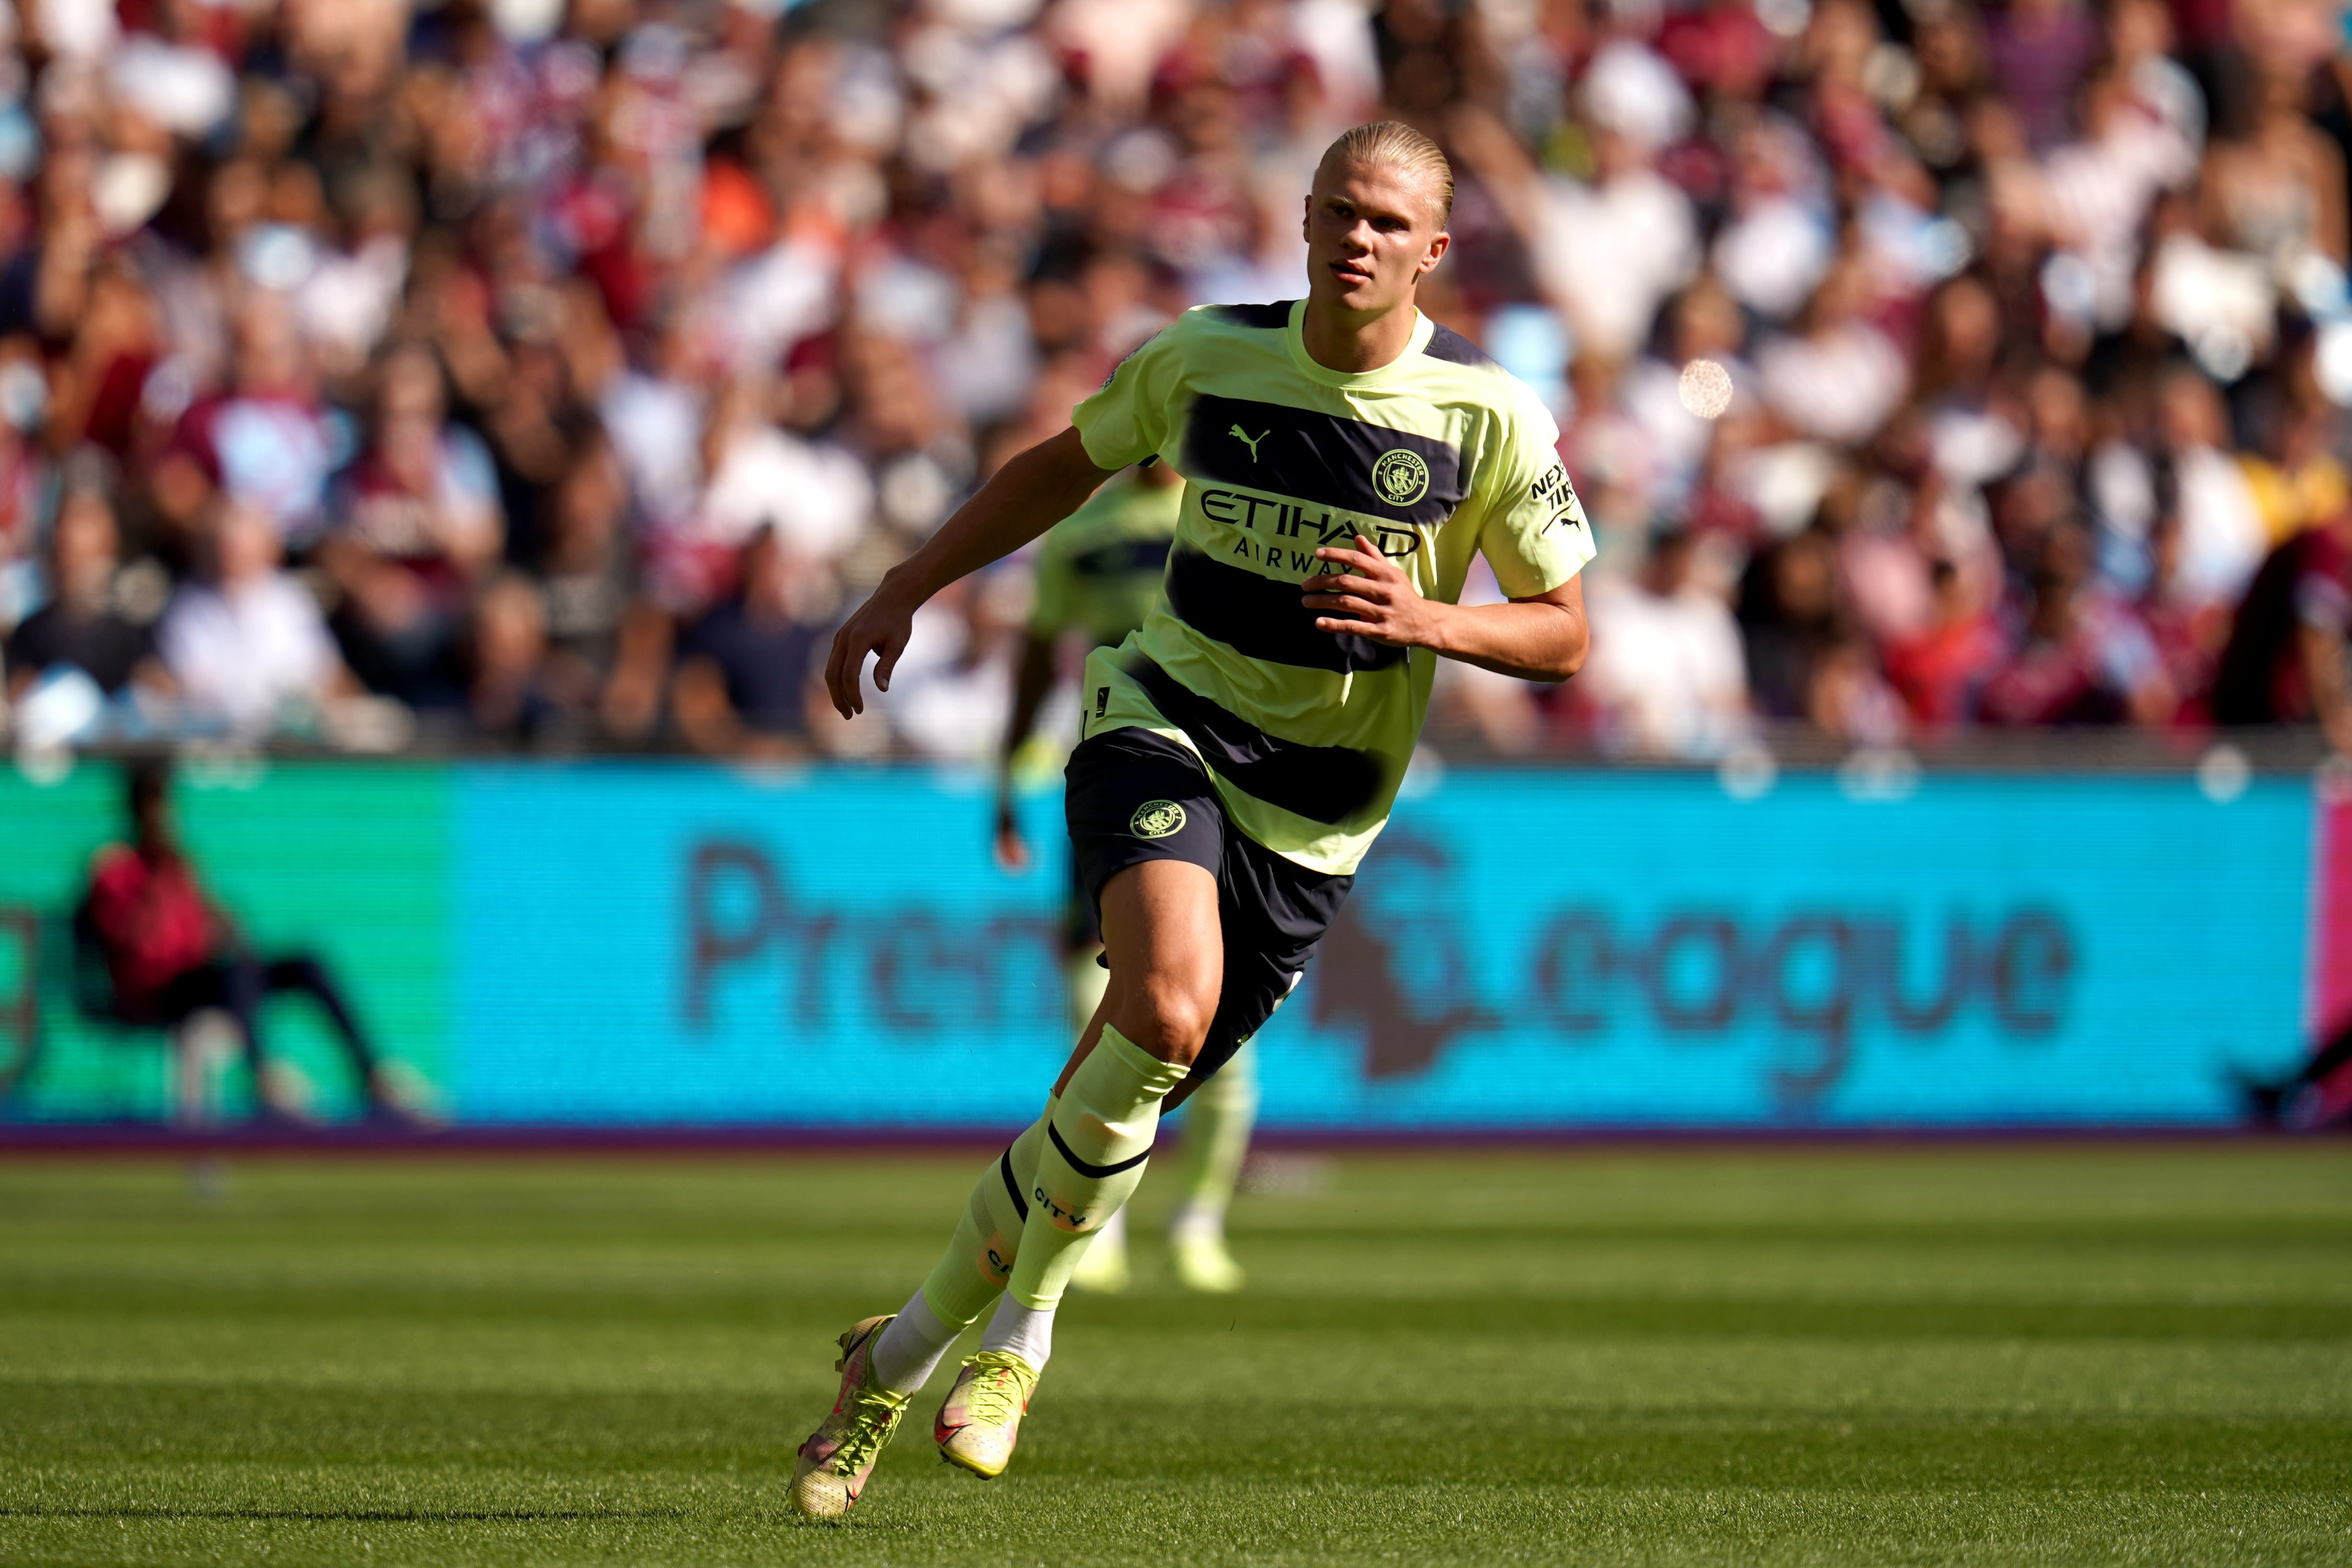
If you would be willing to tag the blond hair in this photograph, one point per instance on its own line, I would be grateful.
(1394, 143)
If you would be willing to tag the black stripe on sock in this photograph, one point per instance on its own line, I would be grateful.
(1005, 1164)
(1321, 783)
(1263, 618)
(1092, 1173)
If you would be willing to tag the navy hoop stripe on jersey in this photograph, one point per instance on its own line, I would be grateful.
(1316, 458)
(1321, 783)
(1262, 617)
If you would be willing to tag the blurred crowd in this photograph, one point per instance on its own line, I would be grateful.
(552, 373)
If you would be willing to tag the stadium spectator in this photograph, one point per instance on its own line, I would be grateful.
(24, 473)
(1789, 618)
(744, 668)
(245, 641)
(83, 626)
(1610, 250)
(418, 518)
(2188, 634)
(171, 951)
(1671, 682)
(267, 443)
(586, 568)
(509, 697)
(1940, 670)
(2275, 188)
(2083, 657)
(2285, 658)
(952, 693)
(1701, 325)
(1837, 377)
(2038, 50)
(2222, 534)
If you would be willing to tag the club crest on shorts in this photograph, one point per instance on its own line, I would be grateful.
(1156, 819)
(1400, 477)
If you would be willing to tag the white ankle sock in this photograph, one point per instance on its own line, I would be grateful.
(909, 1349)
(1195, 1223)
(1027, 1332)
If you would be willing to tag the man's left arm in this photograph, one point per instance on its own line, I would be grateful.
(1541, 637)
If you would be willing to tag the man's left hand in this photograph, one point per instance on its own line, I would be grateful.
(1012, 848)
(1372, 597)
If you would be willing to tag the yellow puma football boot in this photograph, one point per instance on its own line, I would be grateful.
(982, 1419)
(840, 1454)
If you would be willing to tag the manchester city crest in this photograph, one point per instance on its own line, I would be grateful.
(1156, 819)
(1400, 477)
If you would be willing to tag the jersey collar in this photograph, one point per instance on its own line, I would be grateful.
(1394, 370)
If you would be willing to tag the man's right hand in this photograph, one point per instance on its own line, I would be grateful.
(881, 625)
(1028, 495)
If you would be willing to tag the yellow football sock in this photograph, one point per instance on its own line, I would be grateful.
(1097, 1137)
(971, 1273)
(1217, 1121)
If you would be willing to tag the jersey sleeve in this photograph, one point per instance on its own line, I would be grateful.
(1534, 535)
(1127, 421)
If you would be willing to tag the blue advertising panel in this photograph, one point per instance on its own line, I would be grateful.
(1525, 949)
(675, 943)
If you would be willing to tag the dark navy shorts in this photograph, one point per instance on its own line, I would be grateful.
(1132, 796)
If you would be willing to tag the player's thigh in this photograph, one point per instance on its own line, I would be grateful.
(1166, 952)
(1166, 949)
(1272, 911)
(1148, 836)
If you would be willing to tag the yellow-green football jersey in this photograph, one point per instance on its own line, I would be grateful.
(1434, 457)
(1099, 569)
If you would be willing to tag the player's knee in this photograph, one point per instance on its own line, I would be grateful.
(1172, 1019)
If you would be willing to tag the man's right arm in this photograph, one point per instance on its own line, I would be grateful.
(1027, 496)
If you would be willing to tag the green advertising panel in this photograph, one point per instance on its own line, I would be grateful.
(343, 862)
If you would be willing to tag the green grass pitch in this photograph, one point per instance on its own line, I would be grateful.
(1879, 1356)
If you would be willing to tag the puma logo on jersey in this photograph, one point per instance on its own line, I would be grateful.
(1246, 439)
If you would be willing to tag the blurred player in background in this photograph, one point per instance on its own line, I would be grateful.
(171, 951)
(1344, 458)
(1098, 575)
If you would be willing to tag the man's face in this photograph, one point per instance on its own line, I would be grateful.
(245, 545)
(1371, 231)
(85, 546)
